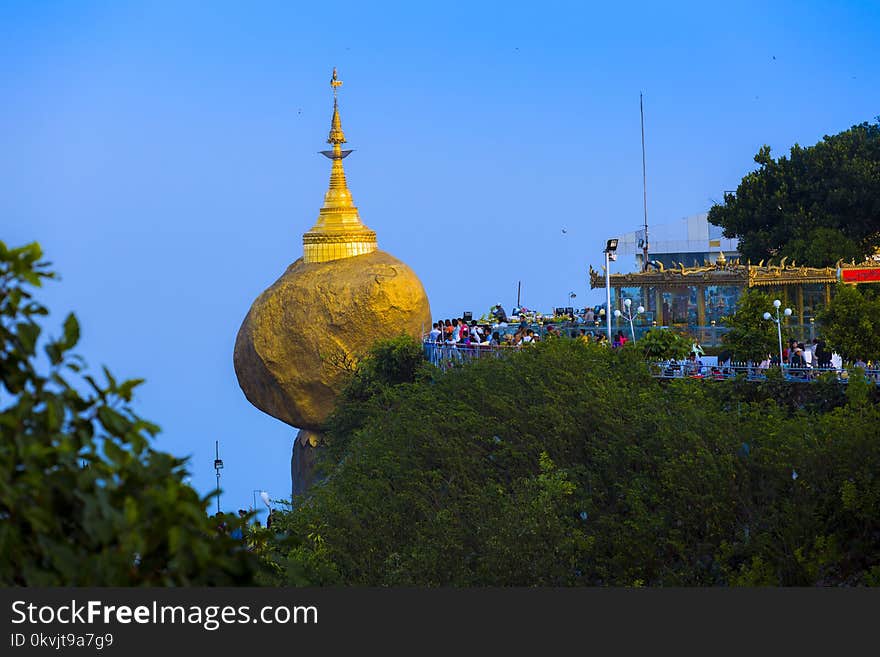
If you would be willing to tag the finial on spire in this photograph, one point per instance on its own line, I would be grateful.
(338, 232)
(335, 82)
(336, 137)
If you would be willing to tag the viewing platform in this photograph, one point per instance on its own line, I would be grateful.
(447, 356)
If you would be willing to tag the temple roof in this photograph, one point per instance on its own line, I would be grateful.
(728, 272)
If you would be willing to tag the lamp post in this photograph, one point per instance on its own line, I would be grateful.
(610, 248)
(218, 466)
(628, 315)
(778, 320)
(254, 507)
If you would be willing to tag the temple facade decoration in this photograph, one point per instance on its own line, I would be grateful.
(698, 297)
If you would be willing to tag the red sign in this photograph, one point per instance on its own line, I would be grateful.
(860, 275)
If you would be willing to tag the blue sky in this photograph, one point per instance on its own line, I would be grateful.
(165, 156)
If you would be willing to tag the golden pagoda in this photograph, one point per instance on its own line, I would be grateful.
(303, 336)
(338, 232)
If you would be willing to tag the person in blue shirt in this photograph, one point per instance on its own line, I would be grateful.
(238, 532)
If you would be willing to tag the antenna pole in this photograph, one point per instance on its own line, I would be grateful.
(218, 466)
(644, 188)
(518, 288)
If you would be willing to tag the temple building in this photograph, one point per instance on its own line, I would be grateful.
(691, 240)
(695, 298)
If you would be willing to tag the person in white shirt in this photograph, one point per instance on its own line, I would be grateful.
(434, 335)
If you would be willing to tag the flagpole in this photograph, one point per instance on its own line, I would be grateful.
(644, 188)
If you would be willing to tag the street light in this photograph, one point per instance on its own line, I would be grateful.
(628, 315)
(218, 466)
(254, 507)
(610, 248)
(787, 313)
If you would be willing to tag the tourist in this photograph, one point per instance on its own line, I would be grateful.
(797, 362)
(694, 366)
(788, 352)
(238, 532)
(434, 335)
(823, 355)
(499, 314)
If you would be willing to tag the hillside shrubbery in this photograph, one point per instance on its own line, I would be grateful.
(567, 464)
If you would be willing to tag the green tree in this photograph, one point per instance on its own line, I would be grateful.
(372, 386)
(751, 337)
(84, 499)
(819, 204)
(663, 344)
(566, 464)
(851, 324)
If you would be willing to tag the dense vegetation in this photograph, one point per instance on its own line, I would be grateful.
(84, 499)
(567, 464)
(851, 323)
(817, 205)
(751, 337)
(563, 464)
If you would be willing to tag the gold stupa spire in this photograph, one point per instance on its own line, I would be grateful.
(338, 232)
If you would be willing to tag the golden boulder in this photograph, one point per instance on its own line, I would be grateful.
(300, 336)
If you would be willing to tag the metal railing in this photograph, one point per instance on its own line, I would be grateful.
(683, 369)
(446, 356)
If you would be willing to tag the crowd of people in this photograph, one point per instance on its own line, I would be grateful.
(449, 338)
(459, 332)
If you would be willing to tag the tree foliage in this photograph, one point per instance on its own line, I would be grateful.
(373, 386)
(815, 206)
(566, 464)
(663, 344)
(751, 337)
(84, 499)
(851, 324)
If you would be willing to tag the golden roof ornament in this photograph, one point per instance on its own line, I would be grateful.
(338, 232)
